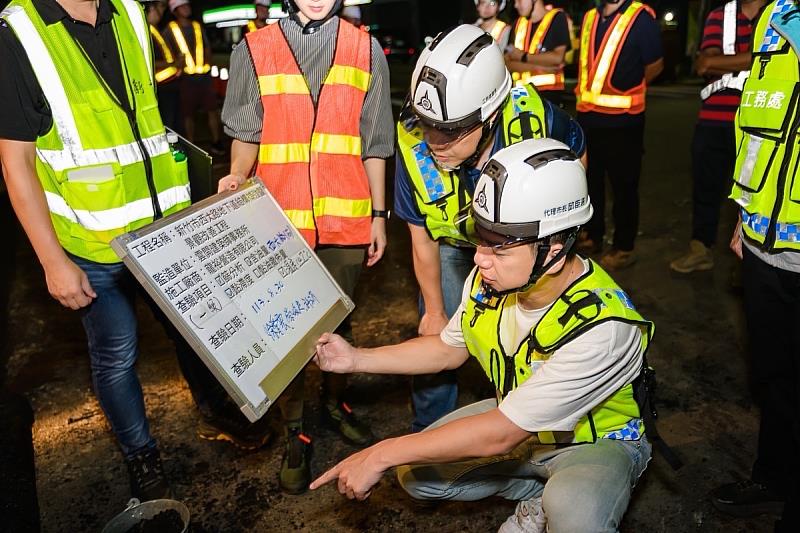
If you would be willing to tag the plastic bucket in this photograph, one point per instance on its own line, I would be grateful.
(137, 512)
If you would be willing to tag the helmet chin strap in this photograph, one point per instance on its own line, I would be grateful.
(313, 25)
(539, 266)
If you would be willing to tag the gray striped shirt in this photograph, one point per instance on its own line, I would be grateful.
(243, 113)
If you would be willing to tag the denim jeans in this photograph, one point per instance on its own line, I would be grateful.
(435, 395)
(584, 487)
(111, 331)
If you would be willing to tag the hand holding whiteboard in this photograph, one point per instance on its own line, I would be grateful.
(243, 288)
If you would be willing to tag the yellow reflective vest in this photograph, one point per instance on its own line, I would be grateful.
(192, 63)
(592, 299)
(766, 176)
(105, 165)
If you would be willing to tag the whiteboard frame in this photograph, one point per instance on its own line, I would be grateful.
(293, 362)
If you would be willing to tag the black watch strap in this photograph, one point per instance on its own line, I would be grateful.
(377, 213)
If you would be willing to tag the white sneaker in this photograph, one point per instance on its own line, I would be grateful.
(527, 518)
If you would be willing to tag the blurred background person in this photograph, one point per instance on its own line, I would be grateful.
(188, 37)
(488, 21)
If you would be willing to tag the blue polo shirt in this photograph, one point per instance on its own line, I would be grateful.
(561, 126)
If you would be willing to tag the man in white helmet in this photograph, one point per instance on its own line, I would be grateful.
(488, 21)
(262, 15)
(460, 111)
(559, 340)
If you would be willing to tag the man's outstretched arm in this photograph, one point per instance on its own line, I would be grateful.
(421, 355)
(482, 435)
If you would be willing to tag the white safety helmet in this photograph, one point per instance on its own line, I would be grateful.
(528, 192)
(460, 79)
(502, 4)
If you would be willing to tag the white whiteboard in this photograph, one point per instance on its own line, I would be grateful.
(242, 286)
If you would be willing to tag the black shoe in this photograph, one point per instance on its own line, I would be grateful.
(747, 498)
(295, 474)
(340, 418)
(238, 432)
(146, 474)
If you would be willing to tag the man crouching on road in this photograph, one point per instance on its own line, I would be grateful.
(560, 341)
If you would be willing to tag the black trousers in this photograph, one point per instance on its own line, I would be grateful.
(772, 311)
(713, 159)
(616, 152)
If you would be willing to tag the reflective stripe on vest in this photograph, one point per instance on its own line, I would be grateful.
(766, 177)
(439, 195)
(94, 173)
(489, 326)
(497, 29)
(170, 71)
(550, 81)
(192, 64)
(310, 156)
(251, 26)
(731, 80)
(594, 91)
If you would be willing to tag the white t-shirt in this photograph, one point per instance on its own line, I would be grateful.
(576, 378)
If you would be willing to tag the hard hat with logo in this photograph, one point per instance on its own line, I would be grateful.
(529, 192)
(501, 3)
(460, 79)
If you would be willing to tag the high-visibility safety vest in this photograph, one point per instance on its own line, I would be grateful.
(766, 176)
(192, 64)
(439, 194)
(591, 300)
(498, 29)
(594, 91)
(310, 155)
(251, 26)
(169, 72)
(731, 80)
(544, 81)
(105, 166)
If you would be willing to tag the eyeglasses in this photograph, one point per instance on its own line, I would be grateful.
(444, 138)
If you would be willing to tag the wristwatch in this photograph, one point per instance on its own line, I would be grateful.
(378, 213)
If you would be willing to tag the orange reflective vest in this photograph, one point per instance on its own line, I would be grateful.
(594, 91)
(310, 156)
(542, 80)
(193, 64)
(169, 72)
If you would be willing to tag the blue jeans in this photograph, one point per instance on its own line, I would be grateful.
(111, 331)
(584, 487)
(435, 395)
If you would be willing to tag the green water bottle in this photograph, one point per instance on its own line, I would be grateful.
(177, 152)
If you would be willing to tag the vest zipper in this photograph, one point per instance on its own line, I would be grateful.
(130, 112)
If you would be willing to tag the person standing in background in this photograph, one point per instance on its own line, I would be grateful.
(167, 68)
(724, 60)
(624, 37)
(541, 42)
(488, 21)
(188, 37)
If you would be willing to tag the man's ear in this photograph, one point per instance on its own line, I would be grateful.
(555, 249)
